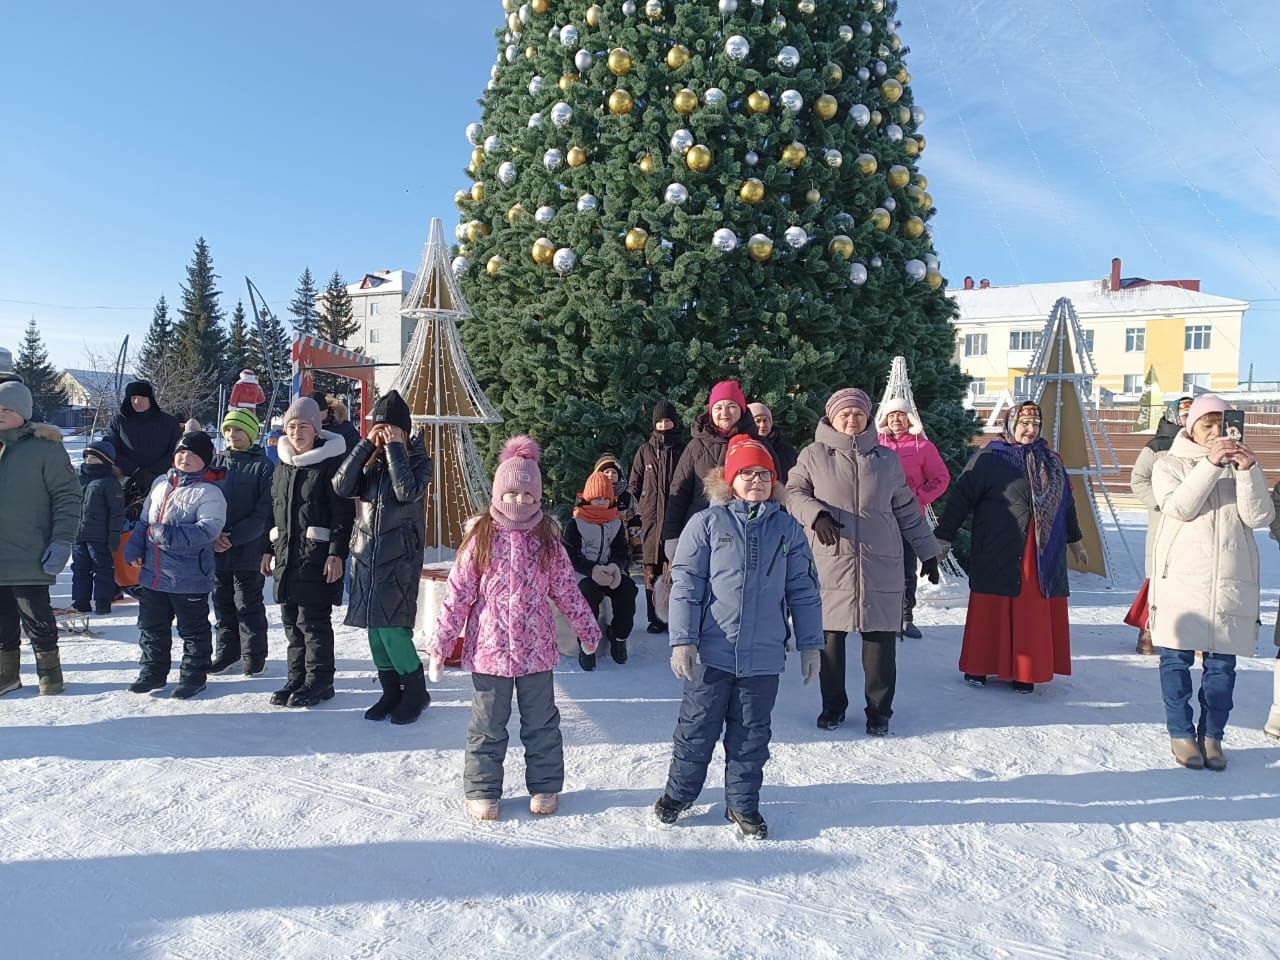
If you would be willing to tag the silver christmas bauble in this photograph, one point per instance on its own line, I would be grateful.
(524, 13)
(778, 23)
(844, 220)
(833, 158)
(553, 33)
(864, 74)
(552, 159)
(791, 101)
(796, 237)
(535, 86)
(757, 3)
(751, 158)
(890, 204)
(460, 266)
(507, 173)
(728, 7)
(568, 35)
(681, 141)
(475, 131)
(587, 203)
(915, 270)
(544, 214)
(931, 262)
(788, 58)
(493, 72)
(736, 47)
(881, 68)
(876, 262)
(561, 114)
(460, 232)
(582, 60)
(676, 193)
(882, 52)
(866, 28)
(629, 8)
(845, 32)
(917, 116)
(714, 97)
(861, 114)
(857, 274)
(564, 261)
(491, 85)
(512, 52)
(893, 132)
(492, 143)
(724, 240)
(535, 120)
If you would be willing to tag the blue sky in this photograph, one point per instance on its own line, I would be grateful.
(320, 134)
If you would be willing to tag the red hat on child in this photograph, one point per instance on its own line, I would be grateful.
(744, 453)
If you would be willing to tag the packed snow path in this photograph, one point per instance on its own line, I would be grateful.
(988, 824)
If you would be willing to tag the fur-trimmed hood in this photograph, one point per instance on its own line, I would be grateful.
(337, 408)
(331, 445)
(46, 431)
(720, 491)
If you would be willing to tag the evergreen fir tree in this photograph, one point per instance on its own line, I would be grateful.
(238, 355)
(303, 304)
(670, 194)
(157, 344)
(336, 324)
(40, 376)
(199, 338)
(270, 355)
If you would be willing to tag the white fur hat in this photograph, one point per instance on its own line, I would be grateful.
(899, 405)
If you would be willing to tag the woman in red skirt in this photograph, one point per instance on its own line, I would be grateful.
(1024, 521)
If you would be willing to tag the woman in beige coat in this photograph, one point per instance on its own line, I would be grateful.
(851, 495)
(1204, 582)
(1272, 728)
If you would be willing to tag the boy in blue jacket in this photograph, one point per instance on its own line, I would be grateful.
(740, 567)
(173, 543)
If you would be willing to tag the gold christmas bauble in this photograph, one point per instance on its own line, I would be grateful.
(806, 7)
(514, 24)
(910, 147)
(476, 230)
(876, 118)
(891, 91)
(920, 142)
(685, 101)
(759, 248)
(867, 164)
(620, 62)
(495, 264)
(530, 53)
(922, 181)
(576, 157)
(751, 191)
(593, 15)
(913, 228)
(539, 6)
(834, 74)
(898, 176)
(841, 246)
(647, 164)
(461, 199)
(508, 6)
(904, 114)
(515, 213)
(902, 75)
(926, 201)
(793, 154)
(620, 103)
(698, 159)
(895, 42)
(812, 196)
(877, 6)
(635, 239)
(566, 81)
(543, 250)
(934, 279)
(825, 106)
(758, 101)
(678, 56)
(880, 218)
(477, 191)
(477, 156)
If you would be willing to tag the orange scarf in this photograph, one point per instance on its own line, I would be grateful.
(597, 515)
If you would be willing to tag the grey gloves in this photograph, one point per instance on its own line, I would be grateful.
(55, 557)
(684, 661)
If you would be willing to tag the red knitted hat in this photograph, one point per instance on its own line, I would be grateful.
(745, 452)
(727, 390)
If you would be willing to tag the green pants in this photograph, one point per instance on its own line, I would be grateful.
(393, 649)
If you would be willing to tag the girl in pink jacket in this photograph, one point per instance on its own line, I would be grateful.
(510, 564)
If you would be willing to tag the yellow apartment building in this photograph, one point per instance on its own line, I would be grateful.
(1131, 325)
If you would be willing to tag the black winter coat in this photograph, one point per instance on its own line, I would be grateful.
(998, 495)
(247, 488)
(347, 430)
(303, 499)
(652, 471)
(102, 512)
(144, 443)
(390, 529)
(705, 451)
(784, 454)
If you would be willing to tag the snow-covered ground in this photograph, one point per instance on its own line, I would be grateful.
(987, 825)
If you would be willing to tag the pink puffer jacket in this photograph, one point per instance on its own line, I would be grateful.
(510, 630)
(927, 474)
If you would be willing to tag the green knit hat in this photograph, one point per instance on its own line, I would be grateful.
(243, 420)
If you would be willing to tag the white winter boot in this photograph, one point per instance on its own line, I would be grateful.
(1272, 729)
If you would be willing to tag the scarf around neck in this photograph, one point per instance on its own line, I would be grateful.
(597, 515)
(516, 516)
(1050, 488)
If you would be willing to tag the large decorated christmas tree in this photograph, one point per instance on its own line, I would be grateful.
(673, 192)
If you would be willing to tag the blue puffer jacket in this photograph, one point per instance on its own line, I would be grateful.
(181, 518)
(739, 568)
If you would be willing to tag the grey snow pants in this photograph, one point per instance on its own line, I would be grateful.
(487, 734)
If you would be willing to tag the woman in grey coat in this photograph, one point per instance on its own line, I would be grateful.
(851, 495)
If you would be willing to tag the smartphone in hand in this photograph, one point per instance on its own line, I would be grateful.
(1233, 425)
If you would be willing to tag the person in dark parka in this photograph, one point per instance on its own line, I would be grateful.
(652, 471)
(727, 416)
(144, 437)
(335, 418)
(784, 454)
(93, 576)
(238, 607)
(312, 537)
(388, 474)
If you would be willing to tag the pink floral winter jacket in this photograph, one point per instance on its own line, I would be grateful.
(927, 474)
(510, 630)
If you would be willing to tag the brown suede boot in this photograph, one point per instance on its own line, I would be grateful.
(1214, 758)
(10, 662)
(1144, 643)
(1187, 753)
(49, 671)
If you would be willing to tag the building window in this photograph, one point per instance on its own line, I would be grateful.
(1024, 339)
(1135, 339)
(975, 345)
(1021, 388)
(375, 336)
(1088, 339)
(1133, 383)
(978, 388)
(1194, 381)
(373, 309)
(1199, 336)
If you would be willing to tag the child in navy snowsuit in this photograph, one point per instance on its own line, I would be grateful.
(93, 573)
(741, 565)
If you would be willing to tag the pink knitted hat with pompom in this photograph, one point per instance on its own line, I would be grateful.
(518, 473)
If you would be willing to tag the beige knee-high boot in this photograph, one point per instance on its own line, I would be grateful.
(1272, 729)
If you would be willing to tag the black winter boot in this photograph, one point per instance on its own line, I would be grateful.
(311, 694)
(224, 661)
(281, 697)
(587, 661)
(254, 666)
(751, 824)
(186, 689)
(414, 699)
(391, 690)
(668, 810)
(145, 684)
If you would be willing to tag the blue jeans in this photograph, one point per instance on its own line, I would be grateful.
(1217, 682)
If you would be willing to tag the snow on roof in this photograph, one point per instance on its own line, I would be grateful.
(1093, 298)
(95, 381)
(382, 281)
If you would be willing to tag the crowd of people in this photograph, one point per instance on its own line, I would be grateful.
(748, 550)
